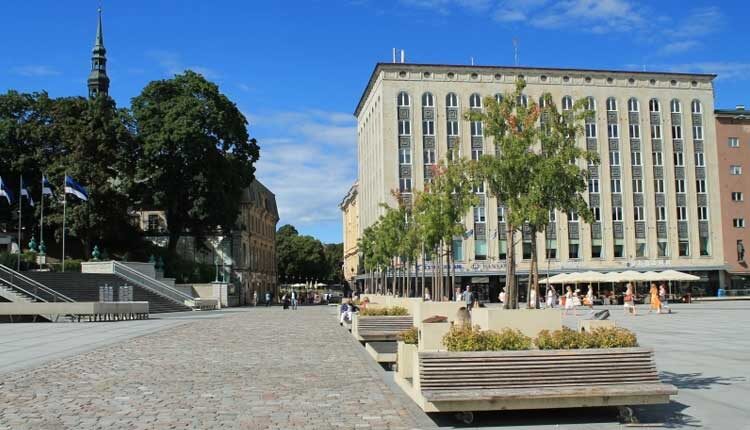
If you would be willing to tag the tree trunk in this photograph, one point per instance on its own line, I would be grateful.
(534, 276)
(511, 296)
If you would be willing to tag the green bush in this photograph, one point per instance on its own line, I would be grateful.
(612, 337)
(382, 312)
(28, 260)
(70, 266)
(409, 336)
(465, 338)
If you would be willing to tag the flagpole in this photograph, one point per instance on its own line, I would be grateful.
(41, 220)
(20, 213)
(63, 238)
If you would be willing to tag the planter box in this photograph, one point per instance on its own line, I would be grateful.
(379, 328)
(529, 321)
(405, 356)
(589, 325)
(431, 336)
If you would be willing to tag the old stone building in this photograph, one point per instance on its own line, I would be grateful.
(350, 221)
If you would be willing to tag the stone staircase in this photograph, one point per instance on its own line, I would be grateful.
(11, 295)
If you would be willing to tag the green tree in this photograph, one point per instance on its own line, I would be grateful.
(196, 155)
(300, 258)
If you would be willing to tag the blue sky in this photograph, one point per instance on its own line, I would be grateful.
(297, 68)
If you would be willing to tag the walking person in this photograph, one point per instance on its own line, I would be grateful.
(468, 298)
(294, 300)
(255, 298)
(629, 299)
(663, 298)
(655, 302)
(551, 296)
(589, 299)
(569, 302)
(502, 296)
(268, 298)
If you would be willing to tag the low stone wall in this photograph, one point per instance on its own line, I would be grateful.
(75, 308)
(529, 321)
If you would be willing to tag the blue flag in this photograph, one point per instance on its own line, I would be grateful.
(73, 187)
(46, 186)
(5, 192)
(25, 192)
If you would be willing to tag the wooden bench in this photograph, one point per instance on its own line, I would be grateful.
(536, 379)
(382, 352)
(379, 328)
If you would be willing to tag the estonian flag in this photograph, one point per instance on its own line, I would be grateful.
(25, 193)
(46, 186)
(5, 192)
(73, 187)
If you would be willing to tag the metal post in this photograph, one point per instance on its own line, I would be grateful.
(20, 214)
(63, 235)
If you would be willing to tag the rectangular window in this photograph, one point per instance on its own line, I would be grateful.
(700, 160)
(655, 131)
(500, 214)
(734, 142)
(479, 215)
(478, 189)
(738, 222)
(458, 251)
(661, 213)
(657, 158)
(737, 196)
(702, 213)
(704, 246)
(619, 248)
(572, 216)
(480, 249)
(452, 128)
(616, 213)
(635, 158)
(551, 249)
(476, 128)
(637, 185)
(503, 249)
(404, 155)
(681, 213)
(640, 248)
(679, 159)
(635, 131)
(679, 185)
(404, 127)
(526, 250)
(614, 158)
(684, 248)
(735, 170)
(698, 132)
(596, 248)
(658, 185)
(476, 153)
(429, 156)
(700, 186)
(590, 130)
(573, 249)
(593, 185)
(638, 213)
(613, 131)
(662, 250)
(676, 132)
(597, 213)
(428, 128)
(552, 216)
(404, 185)
(616, 186)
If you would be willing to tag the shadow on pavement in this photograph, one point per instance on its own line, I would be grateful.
(669, 415)
(696, 381)
(529, 417)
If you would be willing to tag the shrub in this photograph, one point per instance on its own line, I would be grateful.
(466, 338)
(611, 337)
(409, 336)
(382, 312)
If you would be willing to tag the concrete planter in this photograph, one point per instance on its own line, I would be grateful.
(431, 336)
(405, 355)
(529, 321)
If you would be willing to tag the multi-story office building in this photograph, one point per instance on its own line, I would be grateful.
(653, 194)
(350, 217)
(733, 143)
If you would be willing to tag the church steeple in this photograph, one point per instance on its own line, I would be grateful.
(98, 81)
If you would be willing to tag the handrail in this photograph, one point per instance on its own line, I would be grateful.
(151, 284)
(56, 296)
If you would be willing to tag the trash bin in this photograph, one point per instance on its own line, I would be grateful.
(721, 293)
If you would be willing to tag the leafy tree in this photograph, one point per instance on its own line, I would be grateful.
(300, 258)
(197, 155)
(334, 260)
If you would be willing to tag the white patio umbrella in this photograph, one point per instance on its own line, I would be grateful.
(591, 277)
(674, 275)
(320, 284)
(560, 278)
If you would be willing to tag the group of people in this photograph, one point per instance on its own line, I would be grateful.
(348, 308)
(658, 299)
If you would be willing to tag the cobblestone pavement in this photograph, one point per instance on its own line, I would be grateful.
(255, 369)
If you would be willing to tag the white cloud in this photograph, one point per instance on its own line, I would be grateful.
(34, 71)
(724, 70)
(172, 64)
(598, 16)
(678, 47)
(309, 160)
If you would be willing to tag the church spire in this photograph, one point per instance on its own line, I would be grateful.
(98, 81)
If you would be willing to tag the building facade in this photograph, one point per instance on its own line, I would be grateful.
(350, 221)
(653, 194)
(733, 144)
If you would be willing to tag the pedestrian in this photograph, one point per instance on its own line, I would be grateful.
(663, 298)
(589, 299)
(468, 298)
(533, 300)
(268, 298)
(501, 297)
(294, 300)
(629, 299)
(427, 296)
(551, 296)
(255, 298)
(284, 302)
(457, 294)
(569, 302)
(655, 302)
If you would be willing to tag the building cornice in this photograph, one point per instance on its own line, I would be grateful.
(503, 71)
(350, 197)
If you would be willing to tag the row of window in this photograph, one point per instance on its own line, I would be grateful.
(475, 101)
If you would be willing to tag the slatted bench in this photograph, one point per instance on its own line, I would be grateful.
(536, 379)
(379, 328)
(382, 352)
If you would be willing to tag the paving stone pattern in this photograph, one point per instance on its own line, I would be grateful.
(263, 368)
